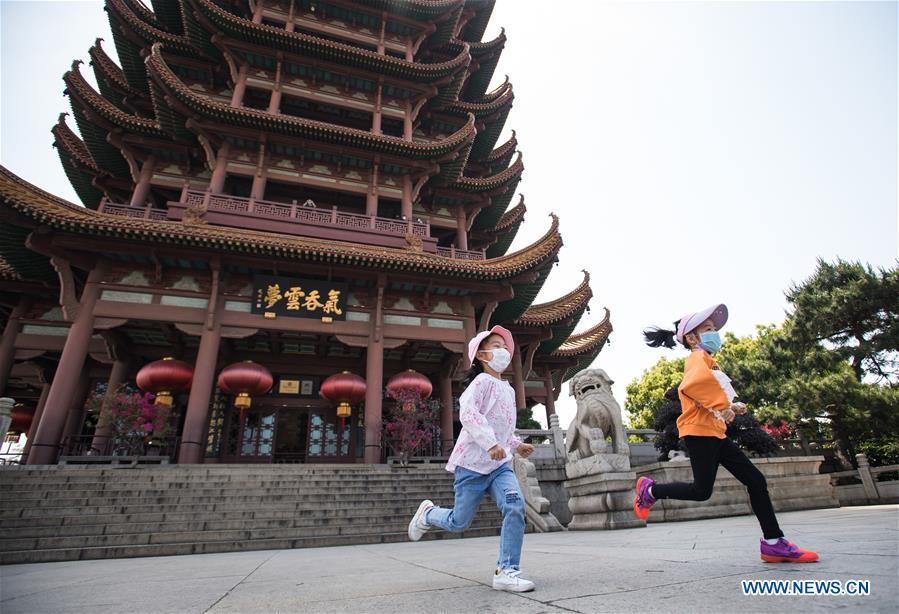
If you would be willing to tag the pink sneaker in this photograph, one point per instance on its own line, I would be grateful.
(643, 501)
(785, 552)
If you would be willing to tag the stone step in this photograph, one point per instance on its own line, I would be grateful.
(211, 499)
(240, 513)
(118, 525)
(228, 472)
(155, 490)
(165, 537)
(149, 506)
(115, 484)
(205, 547)
(76, 513)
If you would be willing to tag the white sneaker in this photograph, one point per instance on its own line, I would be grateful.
(418, 527)
(511, 580)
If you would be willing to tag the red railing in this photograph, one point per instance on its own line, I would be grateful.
(145, 213)
(460, 254)
(301, 214)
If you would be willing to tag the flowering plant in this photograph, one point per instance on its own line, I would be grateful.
(780, 432)
(133, 419)
(412, 424)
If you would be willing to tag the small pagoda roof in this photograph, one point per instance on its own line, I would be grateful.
(487, 56)
(588, 342)
(72, 145)
(506, 229)
(109, 76)
(78, 87)
(492, 182)
(77, 163)
(143, 22)
(279, 39)
(563, 308)
(42, 208)
(168, 14)
(579, 350)
(498, 101)
(474, 29)
(300, 127)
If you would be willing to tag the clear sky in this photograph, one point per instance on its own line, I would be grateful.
(696, 152)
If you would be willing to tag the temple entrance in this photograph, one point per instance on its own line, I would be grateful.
(294, 433)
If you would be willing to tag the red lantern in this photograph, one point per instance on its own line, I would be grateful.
(243, 380)
(345, 389)
(164, 378)
(407, 386)
(21, 418)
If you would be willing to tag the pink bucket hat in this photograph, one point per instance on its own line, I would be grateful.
(718, 314)
(475, 343)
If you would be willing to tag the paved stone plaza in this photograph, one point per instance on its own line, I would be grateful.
(692, 566)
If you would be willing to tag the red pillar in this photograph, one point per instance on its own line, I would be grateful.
(116, 377)
(274, 102)
(376, 116)
(446, 412)
(257, 13)
(371, 197)
(142, 189)
(193, 437)
(406, 202)
(220, 172)
(461, 229)
(38, 413)
(75, 419)
(240, 87)
(8, 341)
(407, 121)
(374, 379)
(65, 382)
(518, 378)
(260, 178)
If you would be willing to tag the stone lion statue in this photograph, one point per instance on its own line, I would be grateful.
(598, 416)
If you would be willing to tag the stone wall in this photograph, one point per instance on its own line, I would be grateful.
(793, 482)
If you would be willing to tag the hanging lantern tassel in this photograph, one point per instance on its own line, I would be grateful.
(343, 412)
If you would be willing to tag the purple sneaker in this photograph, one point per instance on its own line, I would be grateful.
(785, 552)
(643, 501)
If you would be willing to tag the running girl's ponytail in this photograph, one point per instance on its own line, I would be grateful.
(659, 337)
(476, 369)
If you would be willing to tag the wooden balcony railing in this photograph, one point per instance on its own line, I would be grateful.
(146, 213)
(300, 214)
(284, 216)
(460, 254)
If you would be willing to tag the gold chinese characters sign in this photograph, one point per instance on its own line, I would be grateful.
(305, 298)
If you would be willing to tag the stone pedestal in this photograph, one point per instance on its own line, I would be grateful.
(602, 501)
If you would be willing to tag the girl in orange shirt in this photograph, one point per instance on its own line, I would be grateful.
(707, 401)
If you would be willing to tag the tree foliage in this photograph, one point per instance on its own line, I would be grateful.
(830, 370)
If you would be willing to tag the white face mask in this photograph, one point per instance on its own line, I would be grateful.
(501, 359)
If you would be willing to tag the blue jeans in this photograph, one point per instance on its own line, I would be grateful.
(469, 488)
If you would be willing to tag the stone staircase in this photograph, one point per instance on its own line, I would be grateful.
(73, 513)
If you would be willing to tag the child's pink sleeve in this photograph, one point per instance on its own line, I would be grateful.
(473, 403)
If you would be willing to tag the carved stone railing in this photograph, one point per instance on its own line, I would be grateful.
(146, 213)
(300, 214)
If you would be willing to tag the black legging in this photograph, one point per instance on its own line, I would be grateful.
(706, 453)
